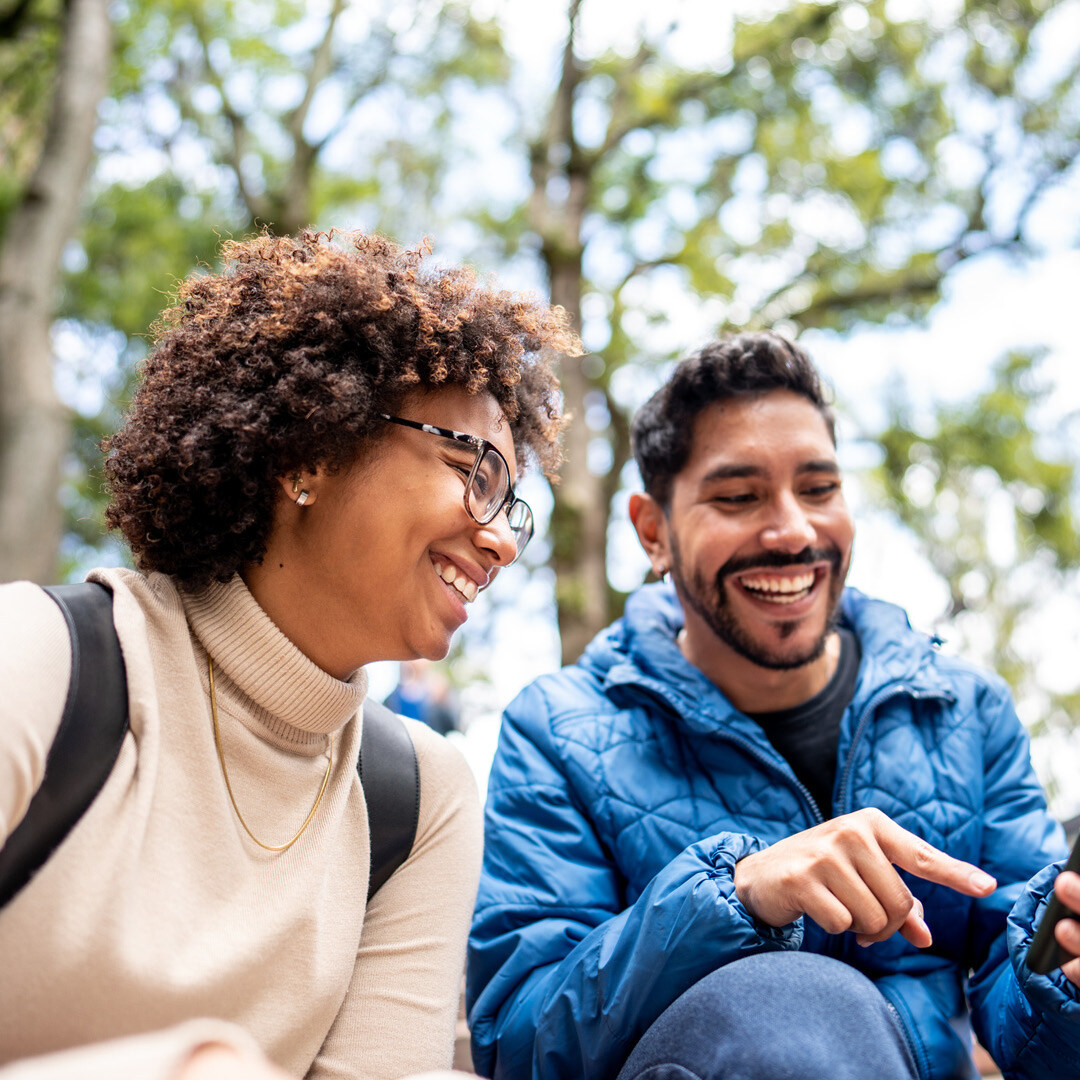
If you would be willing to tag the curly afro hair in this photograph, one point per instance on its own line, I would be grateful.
(284, 361)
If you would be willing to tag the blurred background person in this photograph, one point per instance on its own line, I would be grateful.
(424, 692)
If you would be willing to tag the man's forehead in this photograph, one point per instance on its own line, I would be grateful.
(750, 433)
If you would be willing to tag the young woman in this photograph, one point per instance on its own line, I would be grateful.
(318, 470)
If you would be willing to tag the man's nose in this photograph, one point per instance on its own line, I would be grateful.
(789, 527)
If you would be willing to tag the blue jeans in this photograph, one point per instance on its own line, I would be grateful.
(775, 1016)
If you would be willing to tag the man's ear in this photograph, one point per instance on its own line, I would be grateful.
(651, 524)
(300, 488)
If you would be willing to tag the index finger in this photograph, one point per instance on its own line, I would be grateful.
(921, 858)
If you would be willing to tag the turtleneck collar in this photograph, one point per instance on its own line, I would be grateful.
(261, 677)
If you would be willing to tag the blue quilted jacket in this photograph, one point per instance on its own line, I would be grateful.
(626, 787)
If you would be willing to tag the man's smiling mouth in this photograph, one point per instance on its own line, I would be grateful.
(776, 588)
(453, 576)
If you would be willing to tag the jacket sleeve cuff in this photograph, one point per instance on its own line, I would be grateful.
(1038, 1031)
(726, 850)
(1048, 993)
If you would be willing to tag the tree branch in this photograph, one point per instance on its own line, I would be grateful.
(361, 90)
(561, 117)
(320, 68)
(1051, 174)
(552, 227)
(233, 153)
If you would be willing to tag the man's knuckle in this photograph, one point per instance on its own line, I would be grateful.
(851, 830)
(836, 923)
(924, 854)
(874, 924)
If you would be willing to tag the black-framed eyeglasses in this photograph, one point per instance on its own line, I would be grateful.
(487, 487)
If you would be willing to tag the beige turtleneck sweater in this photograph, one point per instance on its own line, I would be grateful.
(159, 924)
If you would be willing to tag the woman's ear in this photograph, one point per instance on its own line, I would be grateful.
(300, 487)
(651, 524)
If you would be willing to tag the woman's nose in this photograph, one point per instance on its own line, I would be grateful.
(498, 538)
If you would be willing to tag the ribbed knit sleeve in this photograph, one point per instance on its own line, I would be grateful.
(161, 1055)
(399, 1015)
(35, 666)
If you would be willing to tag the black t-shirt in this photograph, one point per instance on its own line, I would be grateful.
(807, 735)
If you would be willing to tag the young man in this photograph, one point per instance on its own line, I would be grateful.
(762, 828)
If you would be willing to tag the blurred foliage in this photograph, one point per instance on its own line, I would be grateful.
(137, 244)
(29, 37)
(990, 501)
(941, 480)
(831, 169)
(219, 122)
(260, 111)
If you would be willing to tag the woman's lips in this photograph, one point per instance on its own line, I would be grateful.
(453, 576)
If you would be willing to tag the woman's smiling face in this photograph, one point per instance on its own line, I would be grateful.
(384, 559)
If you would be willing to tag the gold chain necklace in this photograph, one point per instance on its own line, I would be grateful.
(228, 786)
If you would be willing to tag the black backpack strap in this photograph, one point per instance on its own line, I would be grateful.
(92, 730)
(390, 777)
(88, 740)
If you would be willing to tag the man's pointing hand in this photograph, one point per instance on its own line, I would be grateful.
(842, 874)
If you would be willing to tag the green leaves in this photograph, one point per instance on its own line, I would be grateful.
(137, 243)
(990, 502)
(831, 169)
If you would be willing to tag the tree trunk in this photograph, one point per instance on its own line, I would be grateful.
(561, 184)
(34, 426)
(580, 514)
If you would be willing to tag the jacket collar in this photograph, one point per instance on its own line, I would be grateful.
(639, 650)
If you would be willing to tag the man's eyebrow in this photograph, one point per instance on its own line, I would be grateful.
(825, 466)
(742, 472)
(732, 472)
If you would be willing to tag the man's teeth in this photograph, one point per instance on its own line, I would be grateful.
(452, 576)
(780, 590)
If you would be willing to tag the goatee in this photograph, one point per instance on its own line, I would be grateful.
(711, 604)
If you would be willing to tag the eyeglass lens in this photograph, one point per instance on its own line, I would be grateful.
(487, 493)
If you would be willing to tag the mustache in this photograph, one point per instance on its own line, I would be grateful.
(776, 560)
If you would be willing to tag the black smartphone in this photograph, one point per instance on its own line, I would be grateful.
(1045, 954)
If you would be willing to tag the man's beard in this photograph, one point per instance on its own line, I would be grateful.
(712, 604)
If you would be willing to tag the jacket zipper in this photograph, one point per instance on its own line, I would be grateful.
(914, 1045)
(834, 942)
(884, 694)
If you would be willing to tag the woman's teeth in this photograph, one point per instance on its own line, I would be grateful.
(779, 590)
(452, 576)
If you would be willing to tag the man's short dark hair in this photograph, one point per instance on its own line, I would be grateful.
(743, 366)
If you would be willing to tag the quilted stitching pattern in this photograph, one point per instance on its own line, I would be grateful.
(648, 762)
